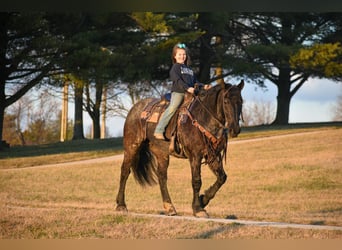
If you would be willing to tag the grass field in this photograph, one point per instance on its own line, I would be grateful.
(292, 175)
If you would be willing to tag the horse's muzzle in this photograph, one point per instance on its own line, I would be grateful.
(234, 132)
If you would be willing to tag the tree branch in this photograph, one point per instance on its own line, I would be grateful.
(298, 86)
(12, 99)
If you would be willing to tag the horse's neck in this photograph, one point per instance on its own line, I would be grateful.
(219, 107)
(214, 104)
(208, 110)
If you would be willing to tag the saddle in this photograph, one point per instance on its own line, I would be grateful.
(154, 109)
(151, 115)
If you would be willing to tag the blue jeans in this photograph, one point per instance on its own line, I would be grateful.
(175, 102)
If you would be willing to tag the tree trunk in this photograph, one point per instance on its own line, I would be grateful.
(206, 57)
(78, 124)
(96, 127)
(3, 76)
(93, 108)
(96, 111)
(218, 69)
(104, 113)
(2, 117)
(283, 98)
(64, 117)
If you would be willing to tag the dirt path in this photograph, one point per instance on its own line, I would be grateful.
(242, 222)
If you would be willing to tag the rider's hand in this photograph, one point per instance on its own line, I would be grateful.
(207, 86)
(191, 90)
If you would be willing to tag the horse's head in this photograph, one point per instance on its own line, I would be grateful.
(232, 107)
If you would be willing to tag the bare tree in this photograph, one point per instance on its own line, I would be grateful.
(36, 118)
(337, 109)
(121, 98)
(21, 111)
(44, 123)
(258, 113)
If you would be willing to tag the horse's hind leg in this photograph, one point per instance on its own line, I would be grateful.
(120, 198)
(125, 171)
(221, 177)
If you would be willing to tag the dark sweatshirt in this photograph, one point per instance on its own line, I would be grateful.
(182, 78)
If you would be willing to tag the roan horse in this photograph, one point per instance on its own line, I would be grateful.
(202, 133)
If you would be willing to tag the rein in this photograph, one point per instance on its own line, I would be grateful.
(210, 113)
(214, 140)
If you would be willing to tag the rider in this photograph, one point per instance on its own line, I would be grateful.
(183, 80)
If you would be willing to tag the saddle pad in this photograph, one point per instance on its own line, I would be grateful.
(153, 110)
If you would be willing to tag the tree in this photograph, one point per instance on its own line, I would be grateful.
(212, 46)
(258, 113)
(64, 112)
(98, 58)
(147, 66)
(10, 131)
(33, 119)
(78, 133)
(337, 109)
(20, 111)
(263, 44)
(321, 60)
(93, 108)
(28, 53)
(35, 46)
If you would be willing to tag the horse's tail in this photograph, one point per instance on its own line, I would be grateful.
(144, 169)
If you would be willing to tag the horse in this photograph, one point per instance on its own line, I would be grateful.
(202, 131)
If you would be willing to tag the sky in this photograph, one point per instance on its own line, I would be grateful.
(313, 102)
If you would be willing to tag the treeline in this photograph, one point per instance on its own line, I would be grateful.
(103, 57)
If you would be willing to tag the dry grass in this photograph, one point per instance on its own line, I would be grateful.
(91, 223)
(290, 179)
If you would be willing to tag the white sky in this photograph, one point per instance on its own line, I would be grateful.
(312, 103)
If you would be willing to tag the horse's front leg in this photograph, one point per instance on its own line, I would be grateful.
(198, 209)
(163, 163)
(221, 177)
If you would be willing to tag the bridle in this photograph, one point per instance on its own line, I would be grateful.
(212, 138)
(213, 116)
(238, 113)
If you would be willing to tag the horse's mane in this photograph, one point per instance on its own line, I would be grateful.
(213, 91)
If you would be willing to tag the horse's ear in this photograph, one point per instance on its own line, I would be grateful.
(226, 86)
(241, 84)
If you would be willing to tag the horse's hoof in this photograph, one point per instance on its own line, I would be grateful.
(202, 214)
(169, 209)
(122, 209)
